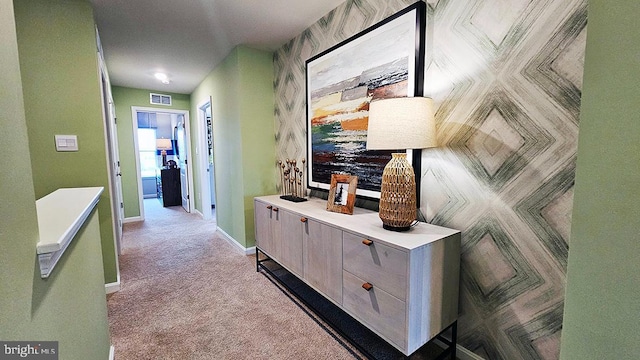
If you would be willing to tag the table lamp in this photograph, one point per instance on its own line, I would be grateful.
(400, 123)
(164, 145)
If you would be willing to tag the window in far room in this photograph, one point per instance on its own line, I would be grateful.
(147, 149)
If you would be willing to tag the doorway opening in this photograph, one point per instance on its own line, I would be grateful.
(163, 158)
(206, 159)
(113, 168)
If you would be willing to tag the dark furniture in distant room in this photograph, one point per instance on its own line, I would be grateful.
(169, 187)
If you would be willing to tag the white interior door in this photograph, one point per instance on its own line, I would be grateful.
(113, 157)
(117, 181)
(182, 162)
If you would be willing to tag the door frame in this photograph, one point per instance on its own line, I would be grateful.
(176, 132)
(203, 159)
(113, 162)
(187, 129)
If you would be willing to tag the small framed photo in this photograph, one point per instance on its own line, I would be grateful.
(342, 193)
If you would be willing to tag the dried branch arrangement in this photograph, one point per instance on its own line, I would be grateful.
(292, 180)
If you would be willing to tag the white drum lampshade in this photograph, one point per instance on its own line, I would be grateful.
(400, 123)
(164, 145)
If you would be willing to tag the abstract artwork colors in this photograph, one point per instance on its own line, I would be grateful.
(383, 61)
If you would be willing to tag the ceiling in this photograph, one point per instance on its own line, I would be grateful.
(186, 39)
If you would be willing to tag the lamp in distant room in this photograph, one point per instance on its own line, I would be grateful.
(400, 123)
(164, 145)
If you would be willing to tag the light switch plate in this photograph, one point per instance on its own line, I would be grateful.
(66, 142)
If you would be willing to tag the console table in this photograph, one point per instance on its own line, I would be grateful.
(403, 286)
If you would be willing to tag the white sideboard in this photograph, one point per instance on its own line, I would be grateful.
(401, 285)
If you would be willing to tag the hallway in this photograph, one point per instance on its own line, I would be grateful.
(189, 294)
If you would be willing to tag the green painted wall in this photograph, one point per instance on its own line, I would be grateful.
(124, 98)
(222, 84)
(70, 306)
(58, 61)
(257, 130)
(18, 224)
(241, 88)
(603, 282)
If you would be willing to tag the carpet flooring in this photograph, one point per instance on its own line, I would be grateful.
(187, 293)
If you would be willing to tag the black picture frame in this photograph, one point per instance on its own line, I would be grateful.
(340, 83)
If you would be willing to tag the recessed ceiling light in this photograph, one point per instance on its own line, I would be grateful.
(161, 76)
(166, 81)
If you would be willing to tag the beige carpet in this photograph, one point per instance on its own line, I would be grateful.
(189, 294)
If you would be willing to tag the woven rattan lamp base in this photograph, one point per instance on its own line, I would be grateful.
(398, 194)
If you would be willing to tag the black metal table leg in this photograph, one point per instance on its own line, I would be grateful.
(454, 339)
(257, 259)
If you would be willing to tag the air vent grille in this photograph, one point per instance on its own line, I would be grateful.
(160, 99)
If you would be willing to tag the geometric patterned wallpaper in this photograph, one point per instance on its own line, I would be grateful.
(506, 77)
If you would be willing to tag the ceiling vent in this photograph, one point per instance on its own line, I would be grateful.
(159, 99)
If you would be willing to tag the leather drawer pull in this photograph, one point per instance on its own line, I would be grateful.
(303, 219)
(269, 207)
(367, 286)
(275, 209)
(367, 242)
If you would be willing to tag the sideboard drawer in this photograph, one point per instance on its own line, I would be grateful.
(381, 311)
(377, 262)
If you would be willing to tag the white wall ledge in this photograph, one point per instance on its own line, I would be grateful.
(61, 214)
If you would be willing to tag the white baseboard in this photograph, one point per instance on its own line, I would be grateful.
(198, 212)
(229, 238)
(113, 287)
(462, 353)
(112, 353)
(132, 219)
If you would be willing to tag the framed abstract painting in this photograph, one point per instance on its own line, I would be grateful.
(385, 60)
